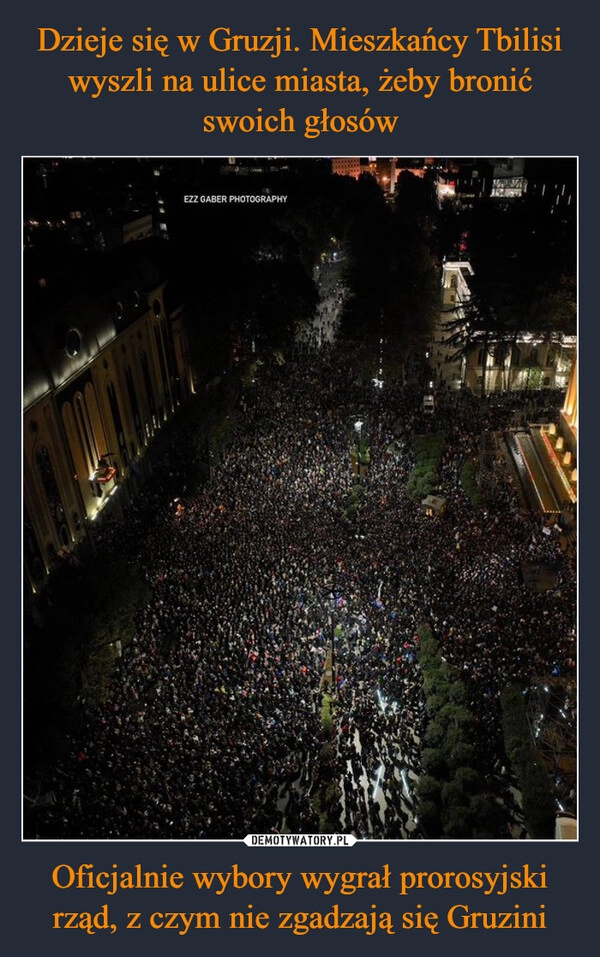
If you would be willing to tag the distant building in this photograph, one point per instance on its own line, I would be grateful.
(558, 445)
(455, 293)
(508, 179)
(96, 204)
(385, 170)
(466, 181)
(347, 166)
(547, 452)
(527, 363)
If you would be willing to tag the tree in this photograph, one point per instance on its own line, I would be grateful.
(279, 293)
(458, 822)
(86, 618)
(553, 311)
(415, 201)
(429, 818)
(477, 326)
(433, 761)
(524, 260)
(393, 284)
(534, 779)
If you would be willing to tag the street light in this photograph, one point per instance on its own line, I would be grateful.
(360, 453)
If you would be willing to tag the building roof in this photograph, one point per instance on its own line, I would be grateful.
(85, 302)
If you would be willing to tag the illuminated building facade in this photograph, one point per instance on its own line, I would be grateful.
(347, 166)
(509, 180)
(527, 363)
(560, 444)
(547, 453)
(103, 371)
(570, 410)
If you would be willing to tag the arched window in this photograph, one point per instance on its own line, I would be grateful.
(52, 494)
(117, 420)
(85, 432)
(148, 385)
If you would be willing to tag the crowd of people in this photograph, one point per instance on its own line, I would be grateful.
(213, 726)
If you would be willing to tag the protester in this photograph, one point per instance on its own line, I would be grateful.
(213, 724)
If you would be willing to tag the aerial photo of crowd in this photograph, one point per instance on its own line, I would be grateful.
(259, 582)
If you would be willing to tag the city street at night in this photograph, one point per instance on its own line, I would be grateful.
(269, 588)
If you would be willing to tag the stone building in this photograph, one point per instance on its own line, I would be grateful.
(526, 363)
(105, 365)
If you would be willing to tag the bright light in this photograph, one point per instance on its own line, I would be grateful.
(380, 771)
(404, 777)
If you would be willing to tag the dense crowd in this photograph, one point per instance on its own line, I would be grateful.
(213, 725)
